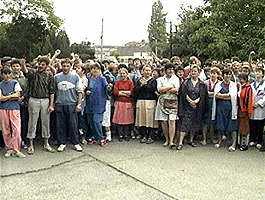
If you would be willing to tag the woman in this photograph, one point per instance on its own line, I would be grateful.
(257, 120)
(123, 113)
(225, 109)
(192, 105)
(10, 114)
(209, 124)
(96, 102)
(166, 109)
(145, 89)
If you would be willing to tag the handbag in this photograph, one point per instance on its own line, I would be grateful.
(170, 104)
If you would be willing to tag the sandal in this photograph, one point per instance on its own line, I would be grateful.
(165, 144)
(48, 148)
(180, 147)
(30, 150)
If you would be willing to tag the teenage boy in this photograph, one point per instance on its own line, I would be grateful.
(68, 103)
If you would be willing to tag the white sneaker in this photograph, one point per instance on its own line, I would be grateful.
(108, 137)
(20, 154)
(258, 146)
(61, 147)
(252, 144)
(77, 147)
(223, 137)
(217, 145)
(8, 153)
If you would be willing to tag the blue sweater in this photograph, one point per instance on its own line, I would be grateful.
(96, 101)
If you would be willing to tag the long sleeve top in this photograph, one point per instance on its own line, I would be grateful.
(123, 86)
(259, 98)
(147, 91)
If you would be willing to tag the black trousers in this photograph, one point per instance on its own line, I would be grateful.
(123, 130)
(256, 131)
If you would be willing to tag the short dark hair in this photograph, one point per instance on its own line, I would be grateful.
(227, 71)
(261, 70)
(15, 61)
(169, 66)
(243, 76)
(44, 59)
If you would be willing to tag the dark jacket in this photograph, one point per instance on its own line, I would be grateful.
(146, 92)
(202, 105)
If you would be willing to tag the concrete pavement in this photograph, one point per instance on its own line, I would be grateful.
(134, 171)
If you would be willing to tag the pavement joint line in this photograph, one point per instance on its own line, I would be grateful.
(42, 169)
(132, 177)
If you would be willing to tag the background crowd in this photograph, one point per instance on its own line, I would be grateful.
(66, 101)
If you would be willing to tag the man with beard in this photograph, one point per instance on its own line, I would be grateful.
(41, 102)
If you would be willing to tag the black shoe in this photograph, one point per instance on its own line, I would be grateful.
(127, 138)
(172, 146)
(243, 148)
(120, 139)
(192, 144)
(262, 149)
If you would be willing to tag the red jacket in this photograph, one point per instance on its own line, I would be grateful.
(123, 86)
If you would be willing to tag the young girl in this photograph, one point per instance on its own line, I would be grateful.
(245, 111)
(123, 113)
(10, 114)
(209, 124)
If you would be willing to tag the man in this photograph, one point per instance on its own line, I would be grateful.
(41, 101)
(23, 100)
(68, 103)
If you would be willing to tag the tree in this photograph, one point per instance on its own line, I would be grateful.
(158, 36)
(62, 42)
(84, 50)
(222, 28)
(14, 9)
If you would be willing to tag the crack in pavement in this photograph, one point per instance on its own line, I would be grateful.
(44, 169)
(134, 178)
(98, 160)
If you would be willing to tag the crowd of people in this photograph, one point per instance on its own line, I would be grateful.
(69, 101)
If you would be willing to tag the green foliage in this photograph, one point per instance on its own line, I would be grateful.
(14, 9)
(84, 50)
(221, 29)
(30, 28)
(158, 36)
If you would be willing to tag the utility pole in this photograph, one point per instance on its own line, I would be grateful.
(101, 37)
(171, 42)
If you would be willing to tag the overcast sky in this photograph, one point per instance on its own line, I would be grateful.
(124, 20)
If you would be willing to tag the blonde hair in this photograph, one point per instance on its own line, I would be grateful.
(195, 66)
(123, 70)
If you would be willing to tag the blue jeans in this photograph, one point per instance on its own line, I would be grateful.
(66, 124)
(95, 121)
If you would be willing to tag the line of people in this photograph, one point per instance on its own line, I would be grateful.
(87, 102)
